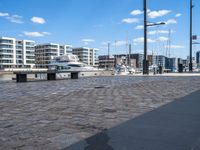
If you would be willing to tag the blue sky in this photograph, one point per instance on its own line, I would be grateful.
(94, 23)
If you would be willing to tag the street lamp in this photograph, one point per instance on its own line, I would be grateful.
(190, 64)
(145, 61)
(156, 24)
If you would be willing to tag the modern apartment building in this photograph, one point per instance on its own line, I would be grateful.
(198, 58)
(172, 63)
(87, 55)
(45, 52)
(121, 59)
(106, 62)
(16, 53)
(160, 60)
(139, 59)
(65, 49)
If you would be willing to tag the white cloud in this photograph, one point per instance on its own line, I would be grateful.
(105, 43)
(3, 14)
(162, 39)
(141, 40)
(159, 13)
(159, 32)
(36, 34)
(12, 18)
(171, 21)
(33, 34)
(38, 20)
(15, 19)
(136, 12)
(130, 20)
(119, 43)
(138, 40)
(175, 46)
(178, 15)
(87, 41)
(46, 33)
(151, 41)
(139, 27)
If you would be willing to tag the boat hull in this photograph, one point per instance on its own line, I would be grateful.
(68, 75)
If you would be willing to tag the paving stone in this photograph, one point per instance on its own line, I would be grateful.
(54, 115)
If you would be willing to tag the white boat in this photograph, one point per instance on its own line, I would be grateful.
(124, 70)
(70, 63)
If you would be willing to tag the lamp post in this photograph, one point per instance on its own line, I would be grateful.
(190, 64)
(145, 61)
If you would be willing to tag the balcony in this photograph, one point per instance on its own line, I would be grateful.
(6, 42)
(4, 58)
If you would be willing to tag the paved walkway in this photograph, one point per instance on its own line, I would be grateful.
(175, 126)
(54, 115)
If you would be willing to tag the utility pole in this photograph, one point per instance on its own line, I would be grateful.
(190, 64)
(145, 63)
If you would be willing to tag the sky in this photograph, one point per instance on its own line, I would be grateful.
(95, 23)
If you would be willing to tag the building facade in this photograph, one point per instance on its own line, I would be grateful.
(172, 64)
(87, 55)
(160, 60)
(198, 58)
(132, 60)
(194, 62)
(16, 53)
(138, 59)
(106, 62)
(45, 52)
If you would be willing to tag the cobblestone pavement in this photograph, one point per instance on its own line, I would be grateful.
(56, 114)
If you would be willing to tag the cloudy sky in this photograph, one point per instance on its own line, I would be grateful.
(94, 23)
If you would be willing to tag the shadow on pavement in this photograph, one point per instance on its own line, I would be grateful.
(175, 126)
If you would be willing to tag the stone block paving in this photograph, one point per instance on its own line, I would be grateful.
(57, 114)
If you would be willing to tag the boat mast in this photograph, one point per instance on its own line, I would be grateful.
(129, 59)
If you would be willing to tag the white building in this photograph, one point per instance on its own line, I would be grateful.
(45, 52)
(87, 55)
(198, 58)
(16, 53)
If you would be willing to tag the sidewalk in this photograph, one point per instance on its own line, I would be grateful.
(175, 126)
